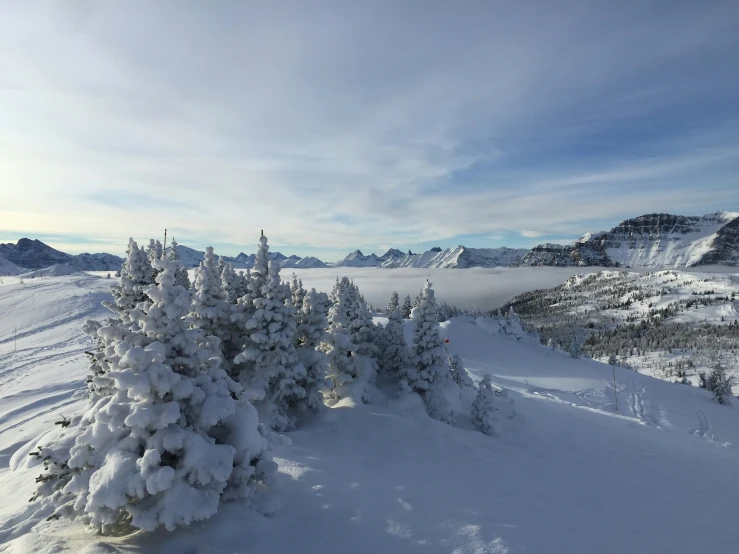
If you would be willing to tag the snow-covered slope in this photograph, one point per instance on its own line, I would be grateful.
(565, 474)
(9, 268)
(659, 322)
(652, 240)
(457, 257)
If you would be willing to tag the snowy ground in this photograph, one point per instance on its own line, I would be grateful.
(566, 474)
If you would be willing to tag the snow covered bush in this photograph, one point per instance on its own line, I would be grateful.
(147, 455)
(429, 374)
(483, 408)
(269, 368)
(459, 373)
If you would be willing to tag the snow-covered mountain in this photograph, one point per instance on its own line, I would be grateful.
(192, 258)
(652, 240)
(34, 254)
(458, 257)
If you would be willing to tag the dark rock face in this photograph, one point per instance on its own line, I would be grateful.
(725, 247)
(582, 253)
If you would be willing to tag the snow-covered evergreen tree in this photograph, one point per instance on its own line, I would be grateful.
(483, 408)
(297, 292)
(395, 358)
(310, 334)
(720, 383)
(394, 303)
(146, 456)
(230, 286)
(135, 275)
(407, 307)
(429, 374)
(459, 373)
(270, 370)
(209, 311)
(181, 277)
(345, 371)
(220, 265)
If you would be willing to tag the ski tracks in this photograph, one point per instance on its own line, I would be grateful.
(704, 429)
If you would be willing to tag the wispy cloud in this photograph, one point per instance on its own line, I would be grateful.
(335, 126)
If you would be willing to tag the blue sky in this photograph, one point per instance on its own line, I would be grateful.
(370, 125)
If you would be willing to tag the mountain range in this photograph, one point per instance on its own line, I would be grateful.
(30, 254)
(651, 240)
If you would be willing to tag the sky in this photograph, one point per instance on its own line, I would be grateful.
(342, 125)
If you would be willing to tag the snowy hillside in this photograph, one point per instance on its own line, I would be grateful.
(667, 324)
(436, 258)
(9, 268)
(566, 473)
(653, 240)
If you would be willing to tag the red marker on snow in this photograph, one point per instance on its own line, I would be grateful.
(446, 341)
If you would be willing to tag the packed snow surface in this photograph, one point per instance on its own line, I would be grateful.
(565, 474)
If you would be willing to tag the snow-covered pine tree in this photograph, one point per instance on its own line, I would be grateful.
(720, 383)
(344, 371)
(230, 286)
(459, 373)
(407, 307)
(209, 311)
(269, 368)
(242, 284)
(394, 303)
(297, 292)
(146, 456)
(429, 375)
(135, 275)
(395, 357)
(154, 251)
(483, 408)
(220, 265)
(181, 277)
(310, 334)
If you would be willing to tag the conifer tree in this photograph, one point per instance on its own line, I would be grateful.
(230, 286)
(146, 455)
(297, 292)
(181, 277)
(269, 368)
(394, 303)
(135, 275)
(395, 358)
(209, 311)
(429, 375)
(344, 369)
(407, 307)
(310, 334)
(483, 408)
(459, 373)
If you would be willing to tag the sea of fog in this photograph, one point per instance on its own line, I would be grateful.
(486, 288)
